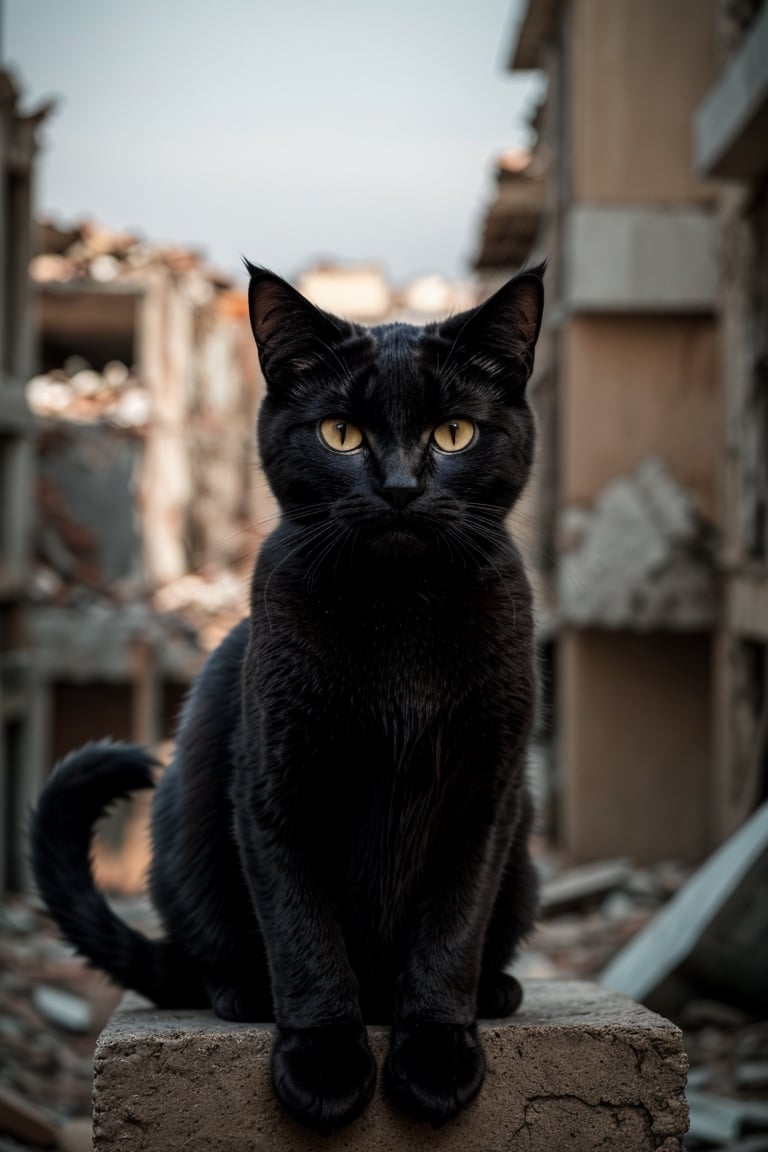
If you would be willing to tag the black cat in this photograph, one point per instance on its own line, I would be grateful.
(342, 835)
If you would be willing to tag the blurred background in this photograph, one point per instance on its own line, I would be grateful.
(400, 162)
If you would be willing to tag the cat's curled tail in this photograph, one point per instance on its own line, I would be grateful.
(79, 790)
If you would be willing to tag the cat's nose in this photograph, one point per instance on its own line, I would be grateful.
(400, 491)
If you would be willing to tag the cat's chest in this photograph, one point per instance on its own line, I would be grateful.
(398, 647)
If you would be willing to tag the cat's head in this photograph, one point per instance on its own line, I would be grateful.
(414, 437)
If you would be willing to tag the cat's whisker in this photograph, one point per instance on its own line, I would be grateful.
(296, 513)
(533, 547)
(532, 550)
(487, 560)
(346, 536)
(321, 548)
(306, 535)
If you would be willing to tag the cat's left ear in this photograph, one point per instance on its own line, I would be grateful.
(291, 334)
(499, 336)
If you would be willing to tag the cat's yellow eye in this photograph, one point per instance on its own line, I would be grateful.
(341, 435)
(454, 435)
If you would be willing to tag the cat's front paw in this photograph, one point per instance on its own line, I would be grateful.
(233, 1002)
(434, 1070)
(323, 1077)
(498, 996)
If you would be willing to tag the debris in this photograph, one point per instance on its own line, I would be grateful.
(62, 1008)
(641, 558)
(749, 1144)
(706, 1013)
(82, 395)
(699, 1077)
(91, 251)
(710, 938)
(720, 1120)
(76, 1136)
(19, 1118)
(583, 884)
(49, 1067)
(618, 905)
(16, 917)
(752, 1074)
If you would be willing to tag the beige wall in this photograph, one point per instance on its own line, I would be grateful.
(636, 735)
(634, 387)
(639, 68)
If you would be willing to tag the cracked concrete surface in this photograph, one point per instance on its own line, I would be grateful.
(579, 1069)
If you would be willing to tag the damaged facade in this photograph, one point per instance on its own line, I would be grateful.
(649, 503)
(731, 148)
(150, 504)
(19, 702)
(649, 535)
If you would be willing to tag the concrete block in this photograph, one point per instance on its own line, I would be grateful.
(659, 259)
(578, 1069)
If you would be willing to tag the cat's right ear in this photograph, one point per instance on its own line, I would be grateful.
(500, 334)
(291, 334)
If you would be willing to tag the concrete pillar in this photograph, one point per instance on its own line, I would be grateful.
(578, 1069)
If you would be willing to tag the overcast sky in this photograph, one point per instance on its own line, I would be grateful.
(287, 130)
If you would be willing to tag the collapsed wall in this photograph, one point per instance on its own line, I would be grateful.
(641, 557)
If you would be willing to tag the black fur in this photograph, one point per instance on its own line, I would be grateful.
(342, 835)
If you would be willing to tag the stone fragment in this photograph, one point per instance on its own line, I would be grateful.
(720, 1120)
(587, 882)
(752, 1074)
(20, 1120)
(76, 1136)
(62, 1008)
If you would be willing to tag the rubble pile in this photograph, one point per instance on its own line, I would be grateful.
(92, 251)
(114, 396)
(52, 1009)
(588, 913)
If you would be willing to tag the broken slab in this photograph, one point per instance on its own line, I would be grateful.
(23, 1120)
(578, 1068)
(584, 884)
(710, 939)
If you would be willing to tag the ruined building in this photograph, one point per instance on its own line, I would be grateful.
(148, 501)
(648, 509)
(19, 716)
(731, 148)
